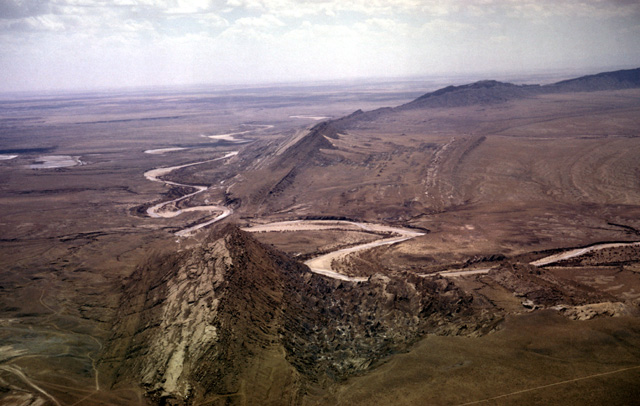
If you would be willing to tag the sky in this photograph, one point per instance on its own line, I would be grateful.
(95, 44)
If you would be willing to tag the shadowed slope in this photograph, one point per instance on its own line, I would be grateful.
(483, 92)
(621, 79)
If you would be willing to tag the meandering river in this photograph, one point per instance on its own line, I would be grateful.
(321, 264)
(162, 210)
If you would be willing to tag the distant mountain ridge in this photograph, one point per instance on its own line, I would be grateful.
(620, 79)
(482, 92)
(286, 166)
(491, 91)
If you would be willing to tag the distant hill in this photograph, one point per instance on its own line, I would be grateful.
(483, 92)
(491, 91)
(621, 79)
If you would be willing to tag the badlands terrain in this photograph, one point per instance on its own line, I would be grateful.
(378, 243)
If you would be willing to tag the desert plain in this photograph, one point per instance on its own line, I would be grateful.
(112, 202)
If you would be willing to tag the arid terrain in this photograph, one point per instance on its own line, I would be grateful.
(381, 243)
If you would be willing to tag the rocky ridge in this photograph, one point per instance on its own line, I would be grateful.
(490, 91)
(621, 79)
(482, 92)
(206, 323)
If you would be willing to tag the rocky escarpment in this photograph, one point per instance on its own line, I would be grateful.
(191, 323)
(236, 321)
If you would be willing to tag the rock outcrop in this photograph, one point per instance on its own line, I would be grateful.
(234, 320)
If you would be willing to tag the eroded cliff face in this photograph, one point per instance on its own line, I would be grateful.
(236, 321)
(192, 324)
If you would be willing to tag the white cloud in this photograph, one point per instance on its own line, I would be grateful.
(177, 41)
(264, 21)
(385, 24)
(305, 8)
(189, 7)
(46, 22)
(444, 27)
(567, 8)
(261, 29)
(212, 20)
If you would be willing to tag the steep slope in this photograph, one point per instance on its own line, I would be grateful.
(278, 167)
(191, 322)
(236, 321)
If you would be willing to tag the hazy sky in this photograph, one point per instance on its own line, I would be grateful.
(59, 44)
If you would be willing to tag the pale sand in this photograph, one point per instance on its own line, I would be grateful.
(161, 151)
